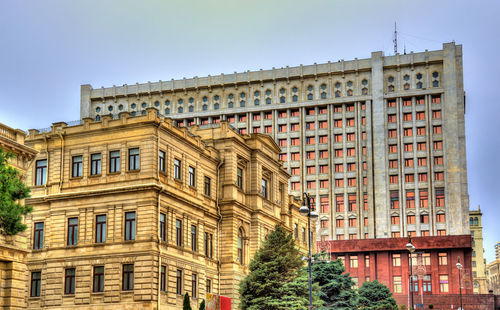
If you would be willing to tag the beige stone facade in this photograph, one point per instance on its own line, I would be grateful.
(135, 212)
(493, 273)
(480, 281)
(13, 249)
(378, 142)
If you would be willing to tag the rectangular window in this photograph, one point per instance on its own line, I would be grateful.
(352, 202)
(410, 199)
(420, 100)
(294, 113)
(439, 176)
(133, 159)
(443, 283)
(282, 157)
(310, 140)
(391, 103)
(268, 129)
(394, 199)
(69, 281)
(440, 218)
(295, 156)
(396, 260)
(163, 278)
(95, 164)
(323, 168)
(409, 178)
(295, 171)
(436, 114)
(395, 220)
(282, 128)
(230, 119)
(114, 161)
(393, 148)
(353, 262)
(353, 222)
(365, 202)
(424, 219)
(410, 219)
(353, 236)
(256, 117)
(295, 186)
(365, 221)
(407, 102)
(408, 132)
(36, 283)
(437, 130)
(443, 258)
(98, 279)
(323, 183)
(422, 161)
(407, 117)
(128, 277)
(161, 161)
(264, 188)
(339, 182)
(397, 285)
(324, 223)
(340, 223)
(194, 238)
(351, 182)
(349, 107)
(393, 163)
(392, 133)
(310, 155)
(256, 129)
(38, 236)
(338, 138)
(268, 115)
(438, 160)
(178, 232)
(310, 126)
(41, 172)
(408, 147)
(295, 141)
(294, 127)
(242, 117)
(100, 228)
(206, 183)
(440, 197)
(77, 166)
(350, 136)
(323, 154)
(420, 116)
(239, 178)
(438, 145)
(243, 131)
(409, 163)
(282, 142)
(391, 118)
(311, 184)
(72, 231)
(323, 139)
(324, 204)
(194, 285)
(339, 167)
(422, 177)
(420, 131)
(323, 124)
(177, 169)
(339, 203)
(130, 226)
(178, 282)
(395, 234)
(393, 179)
(421, 146)
(338, 123)
(349, 122)
(351, 152)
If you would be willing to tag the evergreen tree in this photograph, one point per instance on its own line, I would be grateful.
(187, 304)
(335, 287)
(12, 189)
(373, 295)
(202, 305)
(271, 283)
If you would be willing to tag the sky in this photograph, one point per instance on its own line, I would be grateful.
(49, 48)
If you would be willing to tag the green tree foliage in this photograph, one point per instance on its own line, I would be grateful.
(373, 295)
(12, 189)
(335, 287)
(186, 304)
(202, 305)
(274, 282)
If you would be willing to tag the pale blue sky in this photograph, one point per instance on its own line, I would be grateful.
(49, 48)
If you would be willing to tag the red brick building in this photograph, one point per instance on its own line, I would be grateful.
(387, 260)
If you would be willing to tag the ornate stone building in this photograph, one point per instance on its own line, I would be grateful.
(134, 212)
(379, 142)
(479, 279)
(13, 249)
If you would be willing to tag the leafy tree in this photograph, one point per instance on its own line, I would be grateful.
(373, 295)
(272, 283)
(187, 304)
(335, 287)
(202, 305)
(12, 189)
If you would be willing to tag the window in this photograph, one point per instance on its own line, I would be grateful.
(77, 166)
(392, 133)
(163, 278)
(324, 204)
(41, 172)
(420, 131)
(36, 283)
(424, 202)
(311, 184)
(295, 141)
(38, 236)
(95, 164)
(422, 161)
(353, 222)
(296, 170)
(304, 235)
(352, 202)
(323, 183)
(440, 197)
(353, 262)
(339, 182)
(294, 127)
(128, 277)
(207, 182)
(396, 260)
(339, 167)
(192, 176)
(339, 203)
(409, 178)
(350, 136)
(268, 129)
(323, 139)
(240, 247)
(323, 124)
(351, 152)
(351, 182)
(409, 163)
(436, 114)
(395, 220)
(264, 188)
(310, 140)
(407, 116)
(410, 199)
(310, 155)
(391, 118)
(424, 218)
(421, 146)
(395, 234)
(281, 114)
(397, 285)
(310, 125)
(349, 122)
(410, 219)
(394, 199)
(393, 163)
(133, 159)
(353, 236)
(439, 176)
(177, 169)
(130, 226)
(337, 123)
(114, 161)
(178, 232)
(393, 148)
(437, 130)
(408, 132)
(340, 222)
(208, 245)
(98, 279)
(438, 160)
(194, 238)
(438, 145)
(443, 283)
(408, 147)
(440, 218)
(72, 231)
(282, 142)
(239, 178)
(323, 154)
(407, 101)
(100, 228)
(295, 186)
(420, 116)
(178, 283)
(323, 169)
(393, 179)
(69, 281)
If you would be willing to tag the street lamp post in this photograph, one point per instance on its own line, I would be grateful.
(411, 248)
(460, 267)
(306, 210)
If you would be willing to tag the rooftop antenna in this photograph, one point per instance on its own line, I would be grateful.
(405, 48)
(395, 40)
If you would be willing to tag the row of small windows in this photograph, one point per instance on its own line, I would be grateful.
(98, 278)
(419, 84)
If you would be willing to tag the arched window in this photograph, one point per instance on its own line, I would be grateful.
(406, 86)
(435, 84)
(391, 88)
(309, 96)
(167, 111)
(268, 100)
(143, 105)
(364, 91)
(180, 110)
(97, 118)
(256, 102)
(419, 85)
(349, 92)
(282, 99)
(230, 104)
(191, 100)
(242, 103)
(295, 98)
(167, 102)
(205, 99)
(337, 94)
(216, 106)
(133, 113)
(157, 103)
(240, 246)
(205, 107)
(471, 221)
(191, 108)
(323, 95)
(476, 221)
(143, 112)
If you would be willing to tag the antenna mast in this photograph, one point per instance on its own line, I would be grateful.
(395, 40)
